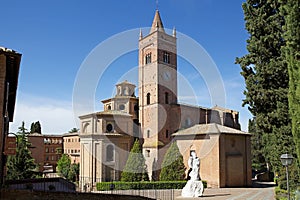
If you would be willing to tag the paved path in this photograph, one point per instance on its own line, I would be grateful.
(261, 191)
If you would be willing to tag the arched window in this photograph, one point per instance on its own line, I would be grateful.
(110, 153)
(109, 107)
(167, 133)
(166, 98)
(148, 98)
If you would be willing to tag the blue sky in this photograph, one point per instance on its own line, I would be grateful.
(56, 36)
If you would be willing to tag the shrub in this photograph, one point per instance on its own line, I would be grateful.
(103, 186)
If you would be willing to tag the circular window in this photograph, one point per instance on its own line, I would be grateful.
(109, 128)
(121, 106)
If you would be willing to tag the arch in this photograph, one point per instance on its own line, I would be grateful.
(148, 98)
(110, 152)
(85, 127)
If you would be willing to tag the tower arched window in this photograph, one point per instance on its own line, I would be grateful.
(110, 153)
(148, 98)
(166, 98)
(166, 57)
(148, 58)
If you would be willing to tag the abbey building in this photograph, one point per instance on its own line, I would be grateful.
(156, 118)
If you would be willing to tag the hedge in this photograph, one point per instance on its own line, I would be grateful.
(103, 186)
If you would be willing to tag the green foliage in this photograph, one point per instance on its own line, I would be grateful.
(36, 127)
(173, 168)
(258, 162)
(66, 169)
(21, 165)
(265, 71)
(73, 172)
(64, 165)
(291, 11)
(103, 186)
(74, 130)
(135, 168)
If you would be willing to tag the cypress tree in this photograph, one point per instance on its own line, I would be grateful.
(135, 168)
(173, 168)
(266, 76)
(291, 11)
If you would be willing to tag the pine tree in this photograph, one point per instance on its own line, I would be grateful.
(266, 78)
(291, 11)
(135, 168)
(21, 165)
(173, 168)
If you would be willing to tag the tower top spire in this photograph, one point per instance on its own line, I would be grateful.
(157, 23)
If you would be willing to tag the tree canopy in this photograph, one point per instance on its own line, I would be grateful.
(265, 71)
(36, 127)
(173, 168)
(135, 168)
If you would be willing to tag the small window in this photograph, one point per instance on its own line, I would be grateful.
(147, 153)
(47, 150)
(148, 98)
(166, 98)
(167, 133)
(148, 133)
(148, 58)
(108, 107)
(110, 153)
(109, 128)
(166, 57)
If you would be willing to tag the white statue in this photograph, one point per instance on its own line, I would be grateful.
(194, 186)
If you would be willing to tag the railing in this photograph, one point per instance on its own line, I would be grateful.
(86, 184)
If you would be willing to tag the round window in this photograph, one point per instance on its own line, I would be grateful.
(109, 128)
(121, 106)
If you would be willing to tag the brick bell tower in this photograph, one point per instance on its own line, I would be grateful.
(157, 91)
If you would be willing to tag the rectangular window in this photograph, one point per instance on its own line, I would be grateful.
(167, 133)
(47, 150)
(148, 58)
(166, 57)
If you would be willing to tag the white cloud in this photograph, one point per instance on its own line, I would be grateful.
(56, 117)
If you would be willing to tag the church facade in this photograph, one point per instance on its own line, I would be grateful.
(156, 118)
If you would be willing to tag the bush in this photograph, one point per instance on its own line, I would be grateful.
(103, 186)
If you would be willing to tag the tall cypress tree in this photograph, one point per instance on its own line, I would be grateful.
(291, 11)
(135, 168)
(265, 72)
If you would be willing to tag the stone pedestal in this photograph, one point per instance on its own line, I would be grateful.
(193, 189)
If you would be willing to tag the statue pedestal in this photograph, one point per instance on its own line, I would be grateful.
(192, 189)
